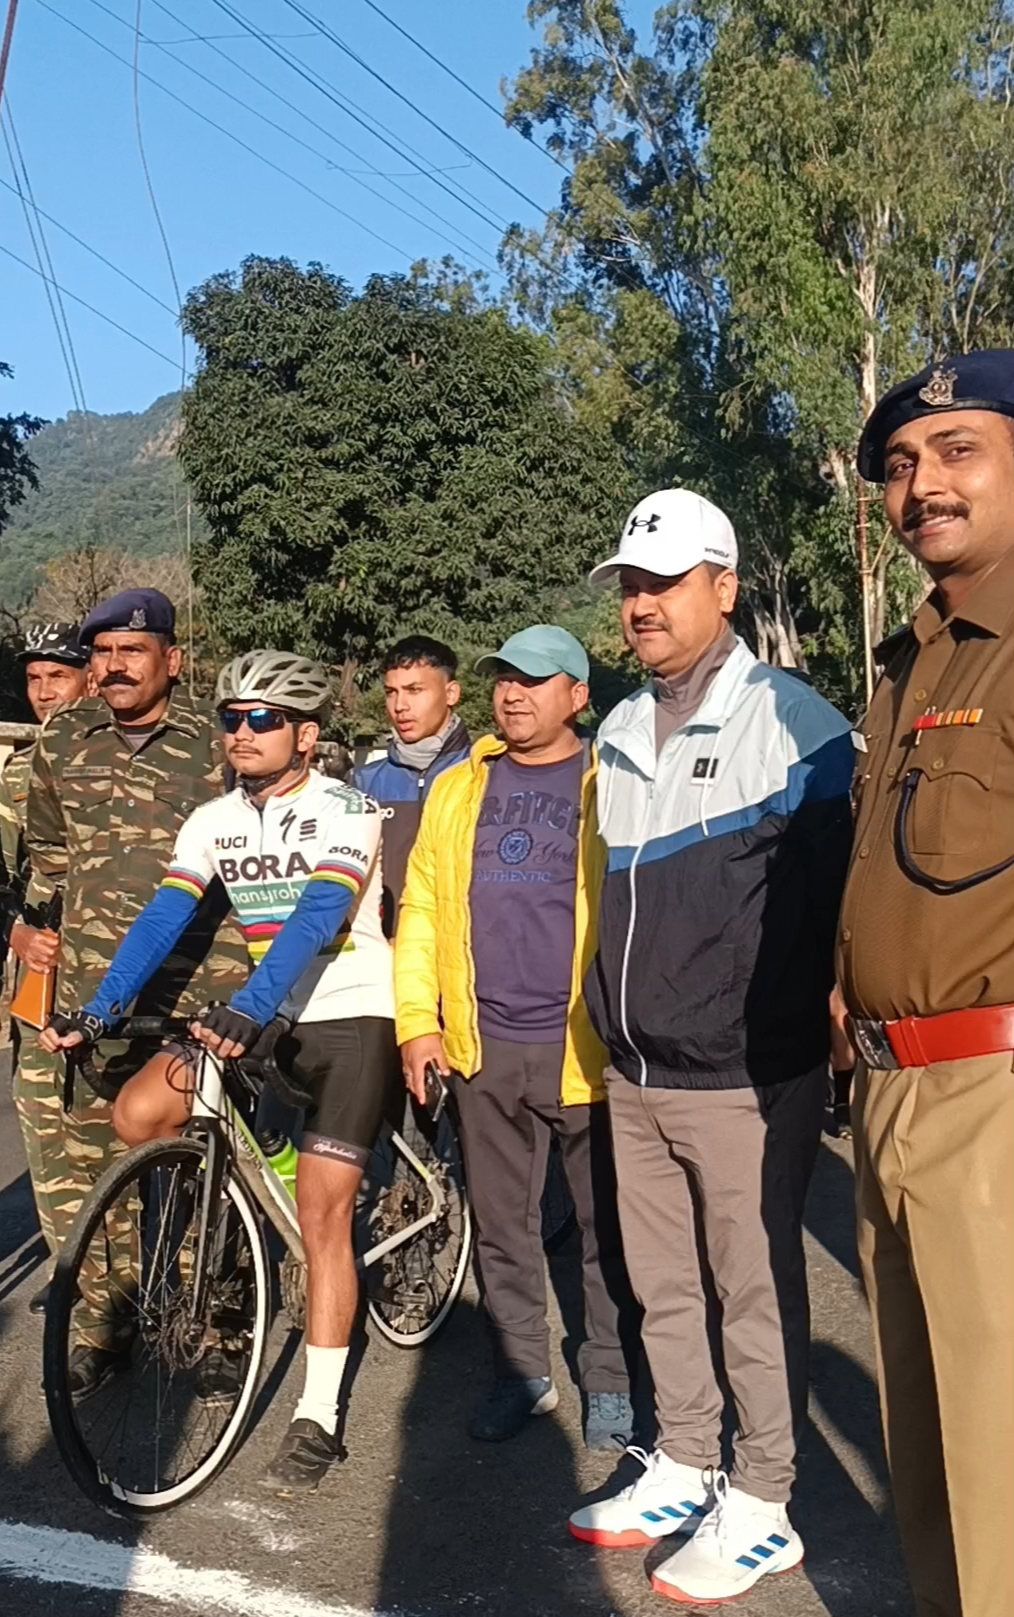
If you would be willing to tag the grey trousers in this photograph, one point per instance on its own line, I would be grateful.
(715, 1180)
(508, 1111)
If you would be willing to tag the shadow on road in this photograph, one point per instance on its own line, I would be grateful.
(499, 1541)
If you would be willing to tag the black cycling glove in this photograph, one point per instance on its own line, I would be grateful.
(92, 1028)
(230, 1024)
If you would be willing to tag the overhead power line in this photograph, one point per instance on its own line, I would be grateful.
(360, 61)
(314, 150)
(236, 139)
(40, 247)
(93, 250)
(367, 121)
(476, 95)
(92, 309)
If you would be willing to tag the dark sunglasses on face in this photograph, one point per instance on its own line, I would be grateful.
(259, 719)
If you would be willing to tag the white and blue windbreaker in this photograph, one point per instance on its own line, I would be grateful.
(727, 856)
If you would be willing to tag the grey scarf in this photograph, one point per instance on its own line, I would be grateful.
(419, 755)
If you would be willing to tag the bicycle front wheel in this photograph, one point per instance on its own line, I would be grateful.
(179, 1389)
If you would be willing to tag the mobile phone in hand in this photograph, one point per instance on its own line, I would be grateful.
(436, 1091)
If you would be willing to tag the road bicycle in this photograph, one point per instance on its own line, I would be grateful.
(170, 1246)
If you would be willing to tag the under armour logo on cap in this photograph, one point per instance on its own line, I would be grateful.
(651, 523)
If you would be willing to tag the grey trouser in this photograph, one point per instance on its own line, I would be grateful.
(714, 1180)
(508, 1111)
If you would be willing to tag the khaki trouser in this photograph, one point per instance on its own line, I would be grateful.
(935, 1193)
(715, 1180)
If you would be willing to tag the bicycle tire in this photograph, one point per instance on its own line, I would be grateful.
(391, 1321)
(90, 1473)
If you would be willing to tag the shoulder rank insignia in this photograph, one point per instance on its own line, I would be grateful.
(939, 390)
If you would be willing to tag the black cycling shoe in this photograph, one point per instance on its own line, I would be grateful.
(90, 1368)
(304, 1457)
(39, 1301)
(219, 1378)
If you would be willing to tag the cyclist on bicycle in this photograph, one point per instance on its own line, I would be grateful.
(299, 857)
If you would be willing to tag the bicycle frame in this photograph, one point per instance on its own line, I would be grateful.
(216, 1119)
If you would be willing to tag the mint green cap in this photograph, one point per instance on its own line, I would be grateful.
(540, 652)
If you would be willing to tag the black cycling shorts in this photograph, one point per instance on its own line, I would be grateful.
(353, 1070)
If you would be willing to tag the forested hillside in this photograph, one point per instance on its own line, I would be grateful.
(105, 481)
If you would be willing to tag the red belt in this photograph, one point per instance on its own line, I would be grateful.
(918, 1041)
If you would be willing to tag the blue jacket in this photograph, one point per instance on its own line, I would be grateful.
(401, 792)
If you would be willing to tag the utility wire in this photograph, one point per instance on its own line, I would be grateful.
(367, 121)
(314, 150)
(92, 309)
(182, 540)
(476, 95)
(236, 139)
(40, 248)
(360, 61)
(41, 212)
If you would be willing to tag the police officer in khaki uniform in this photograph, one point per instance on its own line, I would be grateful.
(926, 963)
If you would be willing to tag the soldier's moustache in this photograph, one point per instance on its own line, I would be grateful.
(918, 514)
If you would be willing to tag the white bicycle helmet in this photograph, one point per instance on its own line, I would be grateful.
(277, 678)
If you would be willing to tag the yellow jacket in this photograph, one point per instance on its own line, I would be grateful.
(434, 973)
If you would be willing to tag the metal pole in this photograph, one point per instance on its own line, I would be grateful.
(865, 580)
(5, 48)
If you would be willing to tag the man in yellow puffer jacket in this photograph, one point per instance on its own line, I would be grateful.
(496, 930)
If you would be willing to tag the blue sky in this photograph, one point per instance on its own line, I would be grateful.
(73, 113)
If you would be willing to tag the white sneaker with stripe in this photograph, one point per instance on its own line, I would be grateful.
(740, 1540)
(666, 1498)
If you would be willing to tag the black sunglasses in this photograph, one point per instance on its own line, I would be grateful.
(260, 719)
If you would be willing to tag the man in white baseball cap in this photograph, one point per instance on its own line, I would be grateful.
(723, 801)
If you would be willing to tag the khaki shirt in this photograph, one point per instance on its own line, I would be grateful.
(905, 950)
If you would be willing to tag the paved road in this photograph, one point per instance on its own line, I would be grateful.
(420, 1522)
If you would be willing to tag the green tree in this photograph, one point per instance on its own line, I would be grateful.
(17, 469)
(376, 463)
(794, 204)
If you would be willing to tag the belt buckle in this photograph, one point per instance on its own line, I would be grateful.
(870, 1039)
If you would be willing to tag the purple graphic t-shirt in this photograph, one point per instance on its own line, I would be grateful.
(524, 874)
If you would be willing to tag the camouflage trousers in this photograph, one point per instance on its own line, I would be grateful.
(67, 1152)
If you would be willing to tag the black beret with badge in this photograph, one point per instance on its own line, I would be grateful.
(982, 380)
(140, 611)
(53, 643)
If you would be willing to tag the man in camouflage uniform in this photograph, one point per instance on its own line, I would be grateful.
(56, 675)
(112, 781)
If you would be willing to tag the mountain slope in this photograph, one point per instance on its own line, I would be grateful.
(106, 480)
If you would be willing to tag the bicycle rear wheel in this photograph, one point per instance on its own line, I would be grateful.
(413, 1287)
(166, 1423)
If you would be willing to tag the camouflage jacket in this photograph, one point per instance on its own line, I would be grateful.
(13, 795)
(100, 826)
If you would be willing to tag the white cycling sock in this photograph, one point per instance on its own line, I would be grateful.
(324, 1370)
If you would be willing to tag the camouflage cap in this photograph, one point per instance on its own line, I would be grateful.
(54, 643)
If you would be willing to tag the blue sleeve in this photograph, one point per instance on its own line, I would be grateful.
(829, 770)
(150, 940)
(320, 911)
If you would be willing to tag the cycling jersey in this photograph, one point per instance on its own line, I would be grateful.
(303, 875)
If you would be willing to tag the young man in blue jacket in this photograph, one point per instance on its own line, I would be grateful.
(421, 692)
(723, 798)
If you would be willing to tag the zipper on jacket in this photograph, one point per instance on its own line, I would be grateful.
(630, 938)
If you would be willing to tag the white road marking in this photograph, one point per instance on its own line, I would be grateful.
(260, 1520)
(50, 1555)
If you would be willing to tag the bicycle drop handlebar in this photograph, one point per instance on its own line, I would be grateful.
(257, 1067)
